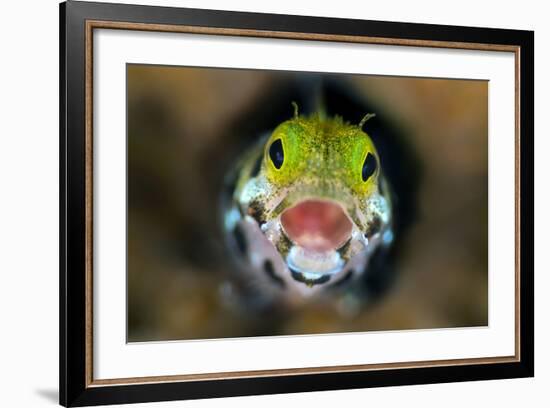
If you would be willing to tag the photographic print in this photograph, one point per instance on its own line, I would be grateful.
(259, 204)
(266, 203)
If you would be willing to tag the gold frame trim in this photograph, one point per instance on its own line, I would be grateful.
(99, 24)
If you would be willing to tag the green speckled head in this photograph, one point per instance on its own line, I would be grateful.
(309, 197)
(324, 154)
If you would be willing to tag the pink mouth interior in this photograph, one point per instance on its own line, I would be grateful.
(317, 225)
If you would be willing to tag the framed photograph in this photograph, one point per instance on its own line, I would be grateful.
(255, 203)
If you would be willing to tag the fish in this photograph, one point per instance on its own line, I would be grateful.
(307, 207)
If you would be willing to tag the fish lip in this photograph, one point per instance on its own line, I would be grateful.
(342, 207)
(304, 270)
(301, 277)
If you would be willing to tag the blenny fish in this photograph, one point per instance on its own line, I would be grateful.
(308, 207)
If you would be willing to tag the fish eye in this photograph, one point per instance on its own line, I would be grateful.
(276, 153)
(369, 166)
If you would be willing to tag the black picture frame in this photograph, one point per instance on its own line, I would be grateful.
(75, 389)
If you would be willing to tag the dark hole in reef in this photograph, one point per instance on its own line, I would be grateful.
(257, 166)
(398, 162)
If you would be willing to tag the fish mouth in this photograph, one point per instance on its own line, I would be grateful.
(317, 229)
(317, 225)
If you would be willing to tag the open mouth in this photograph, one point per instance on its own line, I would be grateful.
(318, 228)
(317, 225)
